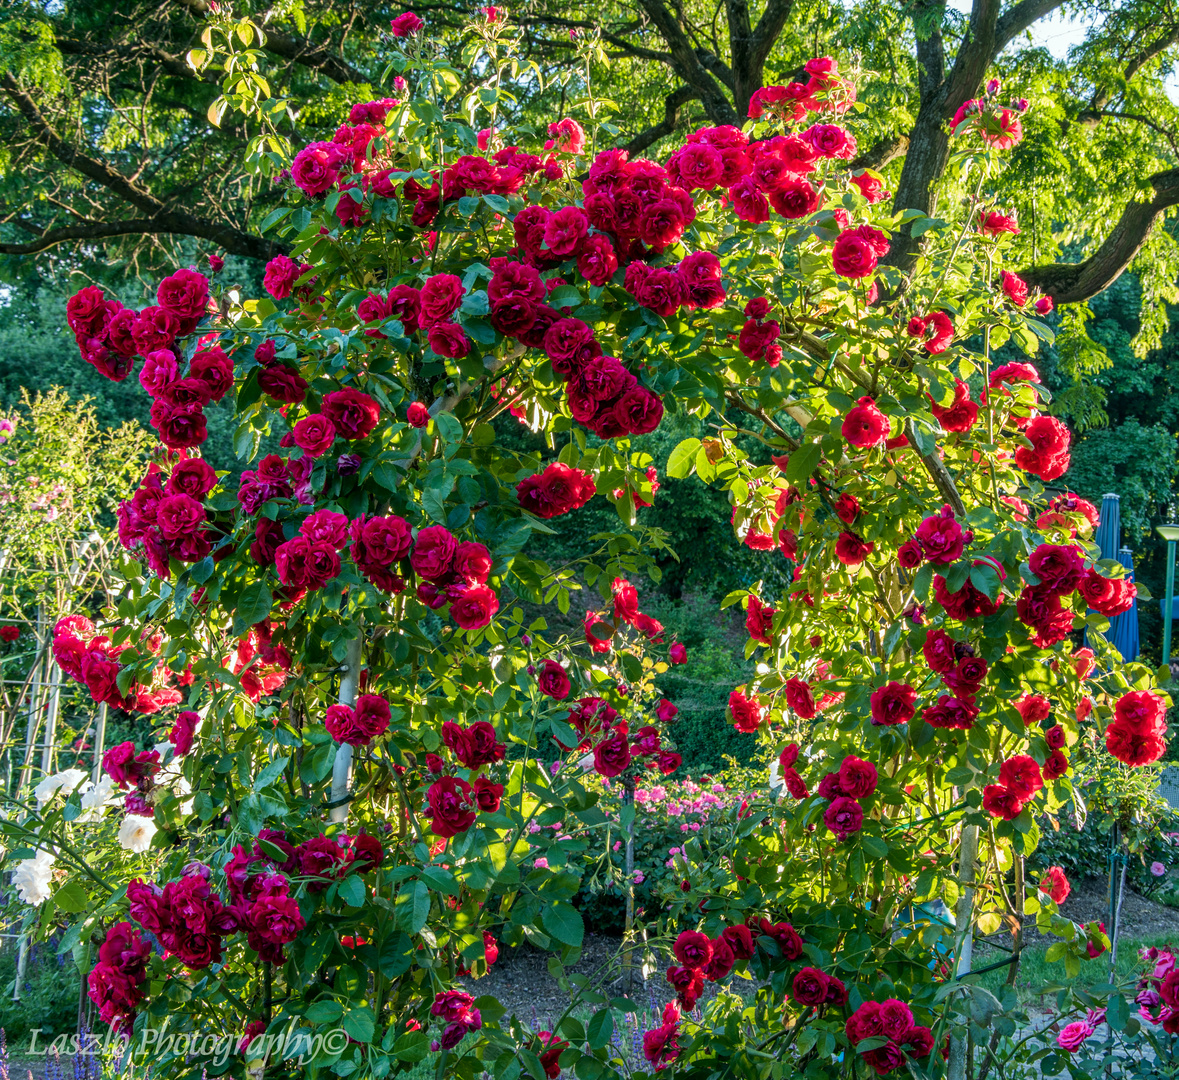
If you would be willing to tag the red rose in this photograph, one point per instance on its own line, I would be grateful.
(1048, 456)
(449, 800)
(1055, 885)
(449, 339)
(1014, 288)
(843, 817)
(417, 415)
(692, 949)
(795, 199)
(851, 550)
(1109, 596)
(966, 603)
(433, 552)
(178, 516)
(597, 262)
(303, 564)
(1021, 775)
(865, 425)
(317, 167)
(474, 607)
(314, 434)
(857, 777)
(283, 384)
(801, 699)
(1060, 567)
(553, 682)
(353, 414)
(1132, 746)
(857, 251)
(565, 231)
(472, 562)
(1141, 711)
(215, 370)
(558, 490)
(1001, 802)
(440, 297)
(612, 755)
(487, 797)
(961, 414)
(185, 294)
(746, 712)
(740, 941)
(809, 987)
(179, 426)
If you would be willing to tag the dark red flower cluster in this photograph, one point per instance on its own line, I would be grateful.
(359, 724)
(813, 988)
(892, 1020)
(1060, 569)
(660, 1045)
(453, 803)
(1019, 780)
(557, 490)
(116, 982)
(960, 415)
(1063, 511)
(167, 520)
(758, 339)
(1137, 733)
(377, 543)
(186, 916)
(454, 573)
(260, 665)
(93, 659)
(935, 332)
(854, 781)
(1109, 596)
(603, 394)
(110, 336)
(823, 91)
(1048, 456)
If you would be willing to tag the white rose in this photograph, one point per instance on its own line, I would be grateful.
(776, 780)
(31, 877)
(65, 782)
(136, 832)
(96, 799)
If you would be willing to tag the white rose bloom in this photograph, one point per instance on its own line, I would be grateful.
(65, 782)
(96, 799)
(163, 749)
(136, 832)
(31, 877)
(776, 781)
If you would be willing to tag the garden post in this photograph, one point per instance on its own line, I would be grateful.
(628, 815)
(99, 740)
(34, 713)
(342, 767)
(54, 682)
(963, 915)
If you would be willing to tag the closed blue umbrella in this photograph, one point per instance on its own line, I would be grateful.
(1109, 529)
(1123, 629)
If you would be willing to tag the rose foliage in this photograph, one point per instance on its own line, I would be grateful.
(343, 818)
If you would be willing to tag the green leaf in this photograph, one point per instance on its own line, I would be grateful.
(71, 897)
(325, 1011)
(564, 922)
(415, 908)
(564, 296)
(601, 1027)
(267, 777)
(681, 459)
(874, 846)
(803, 462)
(253, 605)
(358, 1023)
(352, 891)
(412, 1046)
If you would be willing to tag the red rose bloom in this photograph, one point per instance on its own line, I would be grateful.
(800, 698)
(746, 712)
(1055, 885)
(451, 810)
(1014, 288)
(857, 777)
(961, 414)
(553, 682)
(612, 755)
(865, 425)
(353, 414)
(857, 251)
(1001, 802)
(439, 298)
(851, 550)
(1048, 456)
(1021, 775)
(314, 435)
(1109, 596)
(893, 703)
(809, 987)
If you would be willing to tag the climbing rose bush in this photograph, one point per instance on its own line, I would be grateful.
(365, 749)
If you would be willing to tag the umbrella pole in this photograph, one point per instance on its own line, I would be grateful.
(1169, 602)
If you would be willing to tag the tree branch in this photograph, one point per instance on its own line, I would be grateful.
(687, 65)
(881, 153)
(1019, 18)
(1069, 283)
(671, 107)
(299, 50)
(161, 219)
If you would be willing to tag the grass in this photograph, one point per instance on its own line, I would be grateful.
(1035, 973)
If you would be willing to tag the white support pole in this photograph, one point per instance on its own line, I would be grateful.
(34, 718)
(342, 766)
(50, 744)
(99, 740)
(963, 918)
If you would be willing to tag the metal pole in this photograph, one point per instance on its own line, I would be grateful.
(1170, 602)
(34, 713)
(342, 766)
(963, 920)
(99, 740)
(51, 719)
